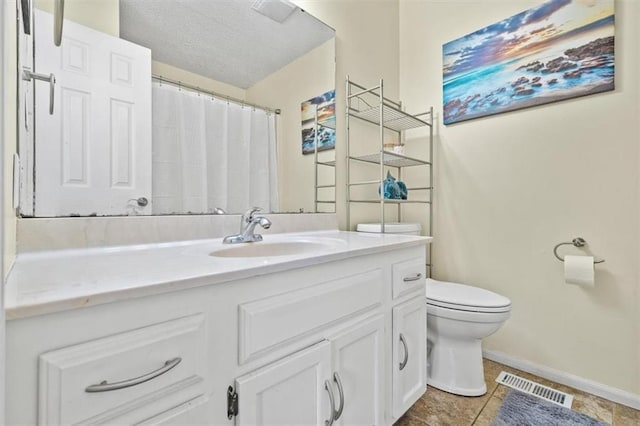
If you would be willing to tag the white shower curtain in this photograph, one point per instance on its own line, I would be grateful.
(208, 153)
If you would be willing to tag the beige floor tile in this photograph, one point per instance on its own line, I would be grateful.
(625, 416)
(593, 406)
(491, 371)
(409, 420)
(438, 408)
(489, 412)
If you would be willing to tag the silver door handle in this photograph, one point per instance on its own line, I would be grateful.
(29, 75)
(336, 379)
(105, 386)
(327, 386)
(403, 363)
(58, 20)
(414, 278)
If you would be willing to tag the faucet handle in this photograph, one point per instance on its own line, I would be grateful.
(248, 216)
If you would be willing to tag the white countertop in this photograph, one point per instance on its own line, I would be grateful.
(53, 281)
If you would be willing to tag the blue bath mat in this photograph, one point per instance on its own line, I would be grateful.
(521, 409)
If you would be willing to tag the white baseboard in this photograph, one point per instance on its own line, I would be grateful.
(598, 389)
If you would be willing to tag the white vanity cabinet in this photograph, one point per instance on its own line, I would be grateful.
(316, 344)
(409, 354)
(286, 392)
(359, 373)
(339, 380)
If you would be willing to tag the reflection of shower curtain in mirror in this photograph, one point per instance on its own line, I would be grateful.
(210, 153)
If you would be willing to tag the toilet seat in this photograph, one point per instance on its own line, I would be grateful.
(464, 298)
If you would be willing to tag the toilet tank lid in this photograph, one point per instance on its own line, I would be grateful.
(389, 227)
(464, 295)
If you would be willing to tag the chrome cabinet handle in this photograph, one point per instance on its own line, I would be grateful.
(414, 278)
(336, 379)
(58, 20)
(403, 363)
(105, 386)
(29, 75)
(327, 386)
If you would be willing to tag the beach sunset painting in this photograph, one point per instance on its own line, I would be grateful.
(323, 108)
(559, 50)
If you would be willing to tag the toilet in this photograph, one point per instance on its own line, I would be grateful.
(458, 318)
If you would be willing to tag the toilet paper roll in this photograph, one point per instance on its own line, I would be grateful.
(579, 270)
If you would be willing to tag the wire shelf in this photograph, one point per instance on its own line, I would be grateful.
(391, 201)
(394, 119)
(391, 159)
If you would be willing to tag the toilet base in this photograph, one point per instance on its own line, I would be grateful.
(455, 366)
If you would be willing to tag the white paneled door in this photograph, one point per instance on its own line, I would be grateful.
(93, 154)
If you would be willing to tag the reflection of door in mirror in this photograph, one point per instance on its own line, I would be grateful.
(195, 155)
(100, 127)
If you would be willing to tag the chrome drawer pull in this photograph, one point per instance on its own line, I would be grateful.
(414, 278)
(403, 363)
(336, 379)
(105, 386)
(327, 386)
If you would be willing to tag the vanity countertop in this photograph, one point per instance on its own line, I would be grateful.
(53, 281)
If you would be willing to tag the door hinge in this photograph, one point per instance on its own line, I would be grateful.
(232, 402)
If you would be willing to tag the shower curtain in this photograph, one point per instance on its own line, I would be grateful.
(208, 153)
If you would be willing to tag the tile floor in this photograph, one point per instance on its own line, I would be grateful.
(438, 408)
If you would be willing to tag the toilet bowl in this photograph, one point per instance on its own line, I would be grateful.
(458, 318)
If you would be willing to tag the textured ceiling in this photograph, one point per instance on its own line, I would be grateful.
(225, 40)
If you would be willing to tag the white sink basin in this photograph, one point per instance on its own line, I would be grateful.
(268, 249)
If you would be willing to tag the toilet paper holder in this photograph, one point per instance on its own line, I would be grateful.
(576, 242)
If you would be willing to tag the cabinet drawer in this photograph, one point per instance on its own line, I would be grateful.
(265, 323)
(153, 369)
(408, 276)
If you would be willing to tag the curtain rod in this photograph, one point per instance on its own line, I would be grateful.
(212, 93)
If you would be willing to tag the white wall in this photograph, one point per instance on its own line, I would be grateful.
(103, 15)
(308, 76)
(9, 139)
(509, 187)
(3, 51)
(366, 50)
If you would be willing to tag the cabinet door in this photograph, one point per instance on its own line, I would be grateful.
(290, 391)
(358, 373)
(409, 354)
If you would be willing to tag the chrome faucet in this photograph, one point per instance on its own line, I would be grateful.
(247, 226)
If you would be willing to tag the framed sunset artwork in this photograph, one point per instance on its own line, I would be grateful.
(323, 110)
(558, 50)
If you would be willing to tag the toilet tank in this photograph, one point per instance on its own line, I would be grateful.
(391, 228)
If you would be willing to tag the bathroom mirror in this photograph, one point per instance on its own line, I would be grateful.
(261, 60)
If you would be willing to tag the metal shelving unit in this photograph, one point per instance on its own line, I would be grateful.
(370, 105)
(318, 164)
